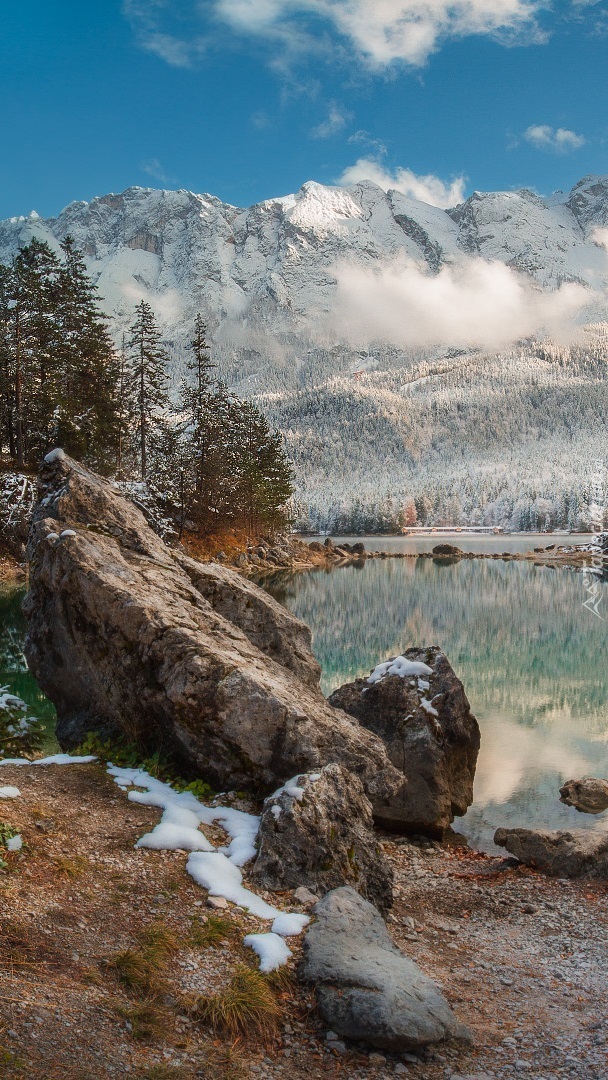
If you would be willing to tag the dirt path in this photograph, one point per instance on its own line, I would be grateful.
(521, 959)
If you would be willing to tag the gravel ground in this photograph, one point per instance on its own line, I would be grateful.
(522, 959)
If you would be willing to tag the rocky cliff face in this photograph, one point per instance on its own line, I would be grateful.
(269, 267)
(264, 277)
(125, 637)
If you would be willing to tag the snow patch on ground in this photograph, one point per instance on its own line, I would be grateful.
(288, 924)
(271, 949)
(216, 870)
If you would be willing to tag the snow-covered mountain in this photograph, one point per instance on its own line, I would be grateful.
(265, 278)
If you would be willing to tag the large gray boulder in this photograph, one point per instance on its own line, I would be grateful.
(366, 988)
(418, 707)
(319, 832)
(124, 639)
(576, 854)
(589, 796)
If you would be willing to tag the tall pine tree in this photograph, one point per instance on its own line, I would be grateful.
(148, 372)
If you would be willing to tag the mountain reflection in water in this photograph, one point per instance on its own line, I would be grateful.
(531, 657)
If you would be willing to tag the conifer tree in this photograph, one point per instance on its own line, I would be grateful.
(88, 418)
(148, 371)
(265, 476)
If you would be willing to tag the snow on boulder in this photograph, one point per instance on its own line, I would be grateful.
(317, 831)
(418, 707)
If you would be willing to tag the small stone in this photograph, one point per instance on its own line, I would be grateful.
(331, 1036)
(305, 896)
(400, 1069)
(377, 1059)
(529, 909)
(218, 903)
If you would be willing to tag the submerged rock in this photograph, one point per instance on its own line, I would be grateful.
(366, 988)
(318, 832)
(418, 707)
(589, 796)
(560, 854)
(126, 637)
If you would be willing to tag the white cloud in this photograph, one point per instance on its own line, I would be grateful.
(154, 168)
(600, 237)
(428, 189)
(475, 304)
(383, 31)
(176, 49)
(558, 140)
(335, 122)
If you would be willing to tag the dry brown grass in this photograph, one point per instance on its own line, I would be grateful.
(71, 866)
(231, 541)
(141, 969)
(246, 1006)
(212, 932)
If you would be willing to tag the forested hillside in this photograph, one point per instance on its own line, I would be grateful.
(445, 364)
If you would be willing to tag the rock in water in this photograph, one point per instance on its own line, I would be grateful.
(588, 795)
(418, 707)
(446, 549)
(125, 637)
(319, 832)
(560, 854)
(366, 988)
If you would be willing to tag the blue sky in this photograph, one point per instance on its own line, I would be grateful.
(248, 99)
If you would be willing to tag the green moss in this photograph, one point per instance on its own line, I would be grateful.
(131, 755)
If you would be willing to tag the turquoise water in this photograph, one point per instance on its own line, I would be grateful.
(13, 668)
(532, 659)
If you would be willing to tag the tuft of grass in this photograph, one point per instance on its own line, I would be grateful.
(246, 1006)
(141, 969)
(71, 866)
(148, 1023)
(210, 933)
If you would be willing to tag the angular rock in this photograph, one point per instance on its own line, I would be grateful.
(576, 854)
(366, 988)
(267, 624)
(589, 796)
(431, 736)
(122, 641)
(319, 833)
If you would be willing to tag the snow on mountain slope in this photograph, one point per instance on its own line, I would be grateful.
(389, 414)
(271, 265)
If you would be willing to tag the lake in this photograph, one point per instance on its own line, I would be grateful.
(531, 657)
(490, 544)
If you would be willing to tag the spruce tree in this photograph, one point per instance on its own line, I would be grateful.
(88, 419)
(265, 475)
(148, 372)
(204, 416)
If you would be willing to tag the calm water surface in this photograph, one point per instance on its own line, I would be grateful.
(532, 659)
(520, 542)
